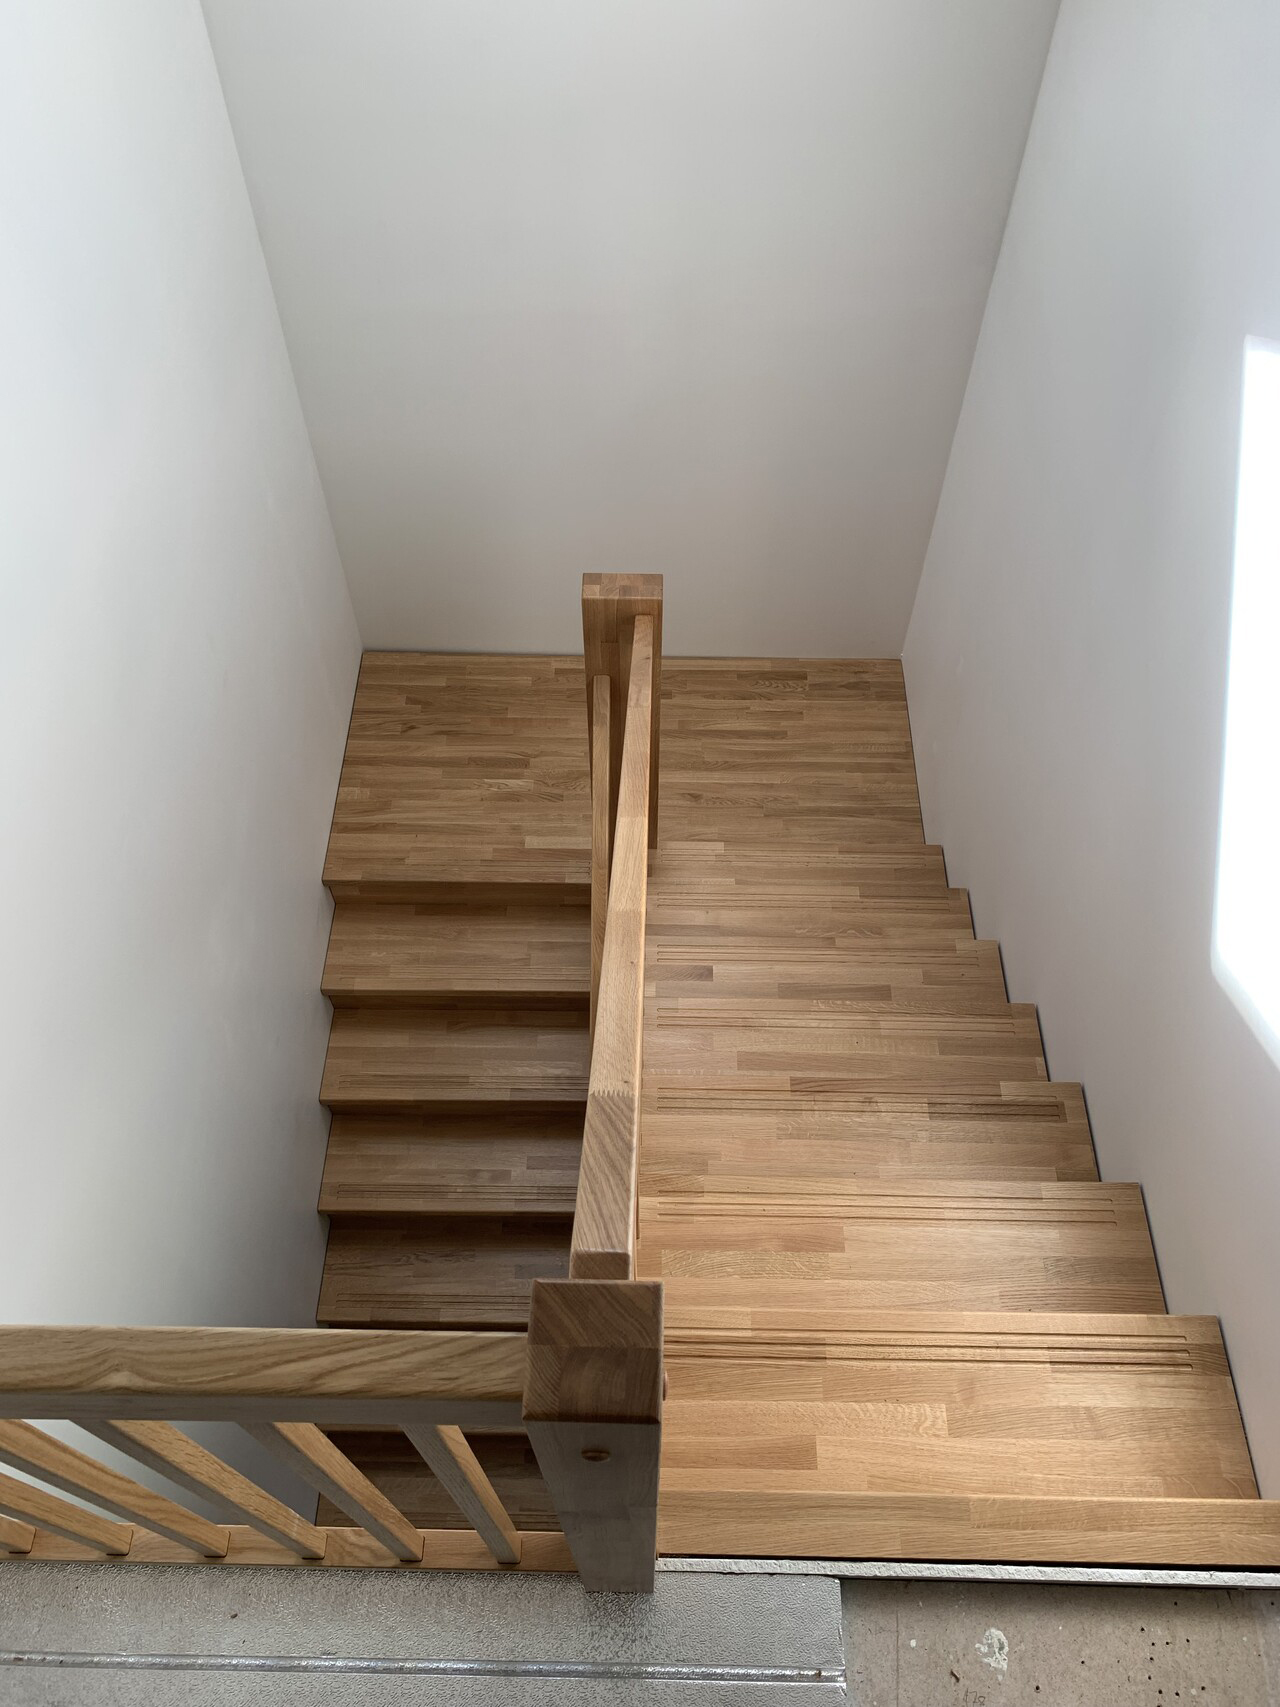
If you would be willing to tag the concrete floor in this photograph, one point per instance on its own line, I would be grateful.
(179, 1636)
(912, 1644)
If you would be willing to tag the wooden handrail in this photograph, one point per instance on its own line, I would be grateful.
(601, 829)
(336, 1376)
(603, 1245)
(593, 1393)
(128, 1386)
(586, 1382)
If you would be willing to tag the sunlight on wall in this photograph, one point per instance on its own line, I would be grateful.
(1246, 932)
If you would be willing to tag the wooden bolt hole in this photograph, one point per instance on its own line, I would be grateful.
(596, 1454)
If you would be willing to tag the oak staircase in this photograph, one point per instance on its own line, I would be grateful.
(902, 1311)
(846, 1222)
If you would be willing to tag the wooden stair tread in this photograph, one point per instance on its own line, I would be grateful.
(452, 1164)
(402, 1058)
(463, 769)
(780, 754)
(895, 1525)
(763, 916)
(809, 1401)
(441, 1273)
(913, 1244)
(698, 1139)
(843, 1018)
(874, 1047)
(406, 953)
(684, 866)
(957, 976)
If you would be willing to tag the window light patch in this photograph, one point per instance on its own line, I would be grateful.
(1246, 930)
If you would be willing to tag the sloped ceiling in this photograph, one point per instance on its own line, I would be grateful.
(677, 285)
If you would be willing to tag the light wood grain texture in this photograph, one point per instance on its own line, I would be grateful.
(386, 954)
(460, 1473)
(29, 1507)
(842, 1109)
(856, 1048)
(836, 1524)
(16, 1537)
(406, 1059)
(953, 976)
(497, 1163)
(439, 1273)
(604, 1226)
(345, 1549)
(787, 756)
(314, 1457)
(794, 1390)
(593, 1410)
(992, 1245)
(703, 1140)
(866, 873)
(839, 1106)
(774, 914)
(226, 1374)
(31, 1450)
(612, 606)
(170, 1453)
(463, 770)
(601, 828)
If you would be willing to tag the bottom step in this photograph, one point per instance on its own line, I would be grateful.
(1237, 1534)
(813, 1405)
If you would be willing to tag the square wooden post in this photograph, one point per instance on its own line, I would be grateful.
(610, 606)
(593, 1409)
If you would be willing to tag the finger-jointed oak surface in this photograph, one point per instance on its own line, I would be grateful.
(903, 1314)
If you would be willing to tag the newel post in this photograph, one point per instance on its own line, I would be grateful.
(593, 1409)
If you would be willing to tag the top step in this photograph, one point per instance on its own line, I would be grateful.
(465, 771)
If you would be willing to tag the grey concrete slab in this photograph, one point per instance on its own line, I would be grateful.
(95, 1635)
(448, 1615)
(913, 1644)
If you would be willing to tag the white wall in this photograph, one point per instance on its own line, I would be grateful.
(1066, 658)
(677, 285)
(177, 660)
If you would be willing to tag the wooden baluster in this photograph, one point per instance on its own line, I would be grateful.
(313, 1456)
(462, 1477)
(593, 1410)
(25, 1505)
(62, 1466)
(16, 1537)
(172, 1454)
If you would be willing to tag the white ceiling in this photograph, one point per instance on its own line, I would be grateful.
(677, 285)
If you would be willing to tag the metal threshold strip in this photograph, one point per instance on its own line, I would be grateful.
(346, 1666)
(932, 1570)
